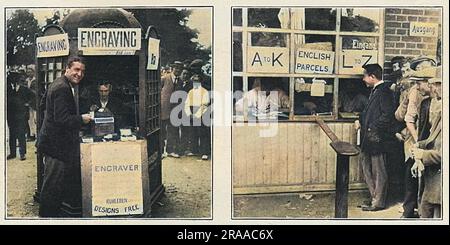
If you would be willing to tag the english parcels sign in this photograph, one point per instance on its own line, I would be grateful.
(109, 41)
(268, 59)
(314, 61)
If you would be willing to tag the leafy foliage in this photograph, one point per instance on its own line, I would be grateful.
(21, 28)
(177, 39)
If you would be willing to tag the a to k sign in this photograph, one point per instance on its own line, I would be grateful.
(268, 60)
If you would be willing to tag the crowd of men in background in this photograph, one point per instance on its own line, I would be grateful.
(177, 140)
(187, 87)
(407, 109)
(21, 110)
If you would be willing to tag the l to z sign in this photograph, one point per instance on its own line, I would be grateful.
(352, 61)
(268, 60)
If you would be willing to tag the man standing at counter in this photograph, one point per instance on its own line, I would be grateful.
(376, 122)
(59, 136)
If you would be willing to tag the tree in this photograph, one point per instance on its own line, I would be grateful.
(176, 37)
(56, 18)
(21, 30)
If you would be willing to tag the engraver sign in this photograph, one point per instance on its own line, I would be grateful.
(116, 179)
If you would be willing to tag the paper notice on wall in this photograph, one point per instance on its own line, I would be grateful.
(153, 54)
(423, 29)
(318, 88)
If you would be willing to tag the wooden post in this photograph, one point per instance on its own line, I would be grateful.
(341, 200)
(343, 150)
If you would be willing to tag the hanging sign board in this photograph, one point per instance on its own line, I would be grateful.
(357, 52)
(268, 59)
(109, 41)
(352, 61)
(153, 54)
(116, 179)
(423, 29)
(314, 61)
(52, 46)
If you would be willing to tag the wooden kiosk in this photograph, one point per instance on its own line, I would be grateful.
(123, 60)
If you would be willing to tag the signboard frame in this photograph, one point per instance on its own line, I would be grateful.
(89, 40)
(269, 58)
(87, 166)
(58, 41)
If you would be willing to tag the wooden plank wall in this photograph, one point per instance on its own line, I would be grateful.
(297, 158)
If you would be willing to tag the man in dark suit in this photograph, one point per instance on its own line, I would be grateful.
(59, 139)
(104, 101)
(168, 131)
(19, 96)
(377, 137)
(185, 86)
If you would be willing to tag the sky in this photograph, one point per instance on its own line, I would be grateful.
(199, 19)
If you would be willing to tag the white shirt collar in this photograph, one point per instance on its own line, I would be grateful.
(173, 77)
(104, 103)
(378, 83)
(72, 88)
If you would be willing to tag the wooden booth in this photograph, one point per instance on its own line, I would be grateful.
(313, 58)
(118, 178)
(310, 56)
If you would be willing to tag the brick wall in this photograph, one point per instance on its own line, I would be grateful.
(397, 39)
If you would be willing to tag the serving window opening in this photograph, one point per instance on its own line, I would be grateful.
(111, 89)
(317, 53)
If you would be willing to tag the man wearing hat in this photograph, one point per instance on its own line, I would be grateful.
(18, 98)
(427, 153)
(169, 132)
(197, 107)
(184, 86)
(422, 62)
(416, 119)
(196, 68)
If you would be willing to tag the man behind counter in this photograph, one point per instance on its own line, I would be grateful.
(59, 140)
(105, 102)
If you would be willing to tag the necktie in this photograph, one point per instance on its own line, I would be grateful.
(75, 96)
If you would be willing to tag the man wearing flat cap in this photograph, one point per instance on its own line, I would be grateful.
(427, 151)
(168, 131)
(416, 119)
